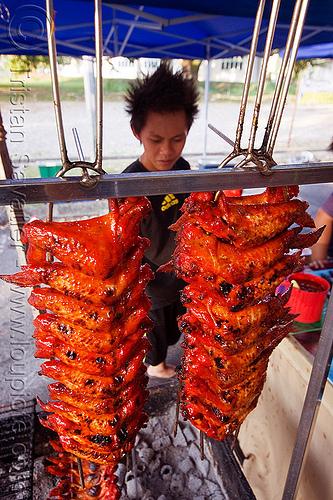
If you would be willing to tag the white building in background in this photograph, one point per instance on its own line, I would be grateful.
(231, 70)
(115, 67)
(316, 84)
(124, 68)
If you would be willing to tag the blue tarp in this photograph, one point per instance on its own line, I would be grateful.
(189, 29)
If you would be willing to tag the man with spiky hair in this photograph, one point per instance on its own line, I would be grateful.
(162, 107)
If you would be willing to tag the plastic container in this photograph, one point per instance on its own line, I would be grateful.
(48, 170)
(308, 301)
(208, 163)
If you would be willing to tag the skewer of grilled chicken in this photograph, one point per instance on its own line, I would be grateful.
(234, 252)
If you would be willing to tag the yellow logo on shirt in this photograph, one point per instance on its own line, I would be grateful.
(168, 202)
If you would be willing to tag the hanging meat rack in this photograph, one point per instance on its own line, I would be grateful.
(257, 169)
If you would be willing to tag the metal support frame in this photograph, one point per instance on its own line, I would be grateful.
(311, 405)
(262, 157)
(141, 184)
(63, 190)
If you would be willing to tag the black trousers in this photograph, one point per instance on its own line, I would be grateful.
(165, 331)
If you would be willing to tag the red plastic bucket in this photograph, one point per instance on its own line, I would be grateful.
(308, 301)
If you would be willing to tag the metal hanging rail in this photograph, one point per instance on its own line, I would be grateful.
(140, 184)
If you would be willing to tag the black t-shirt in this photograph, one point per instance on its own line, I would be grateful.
(164, 289)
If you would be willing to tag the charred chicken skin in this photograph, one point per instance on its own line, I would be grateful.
(234, 252)
(91, 331)
(78, 285)
(200, 252)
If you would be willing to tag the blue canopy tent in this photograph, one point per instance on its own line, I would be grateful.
(321, 50)
(189, 29)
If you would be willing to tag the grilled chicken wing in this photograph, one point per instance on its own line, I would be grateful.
(201, 253)
(246, 225)
(233, 253)
(134, 324)
(100, 480)
(91, 329)
(93, 246)
(78, 285)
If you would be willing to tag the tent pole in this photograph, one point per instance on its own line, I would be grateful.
(90, 98)
(207, 89)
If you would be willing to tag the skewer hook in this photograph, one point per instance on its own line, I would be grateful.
(67, 165)
(262, 158)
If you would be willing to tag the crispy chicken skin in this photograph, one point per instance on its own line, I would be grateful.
(133, 323)
(89, 315)
(94, 246)
(199, 252)
(227, 220)
(78, 285)
(234, 252)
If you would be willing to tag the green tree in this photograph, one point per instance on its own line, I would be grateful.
(301, 65)
(25, 64)
(192, 66)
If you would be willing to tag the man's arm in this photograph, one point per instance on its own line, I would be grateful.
(319, 250)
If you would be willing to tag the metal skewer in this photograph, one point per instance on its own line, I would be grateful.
(175, 427)
(254, 43)
(202, 445)
(263, 72)
(80, 470)
(263, 156)
(223, 136)
(50, 257)
(296, 31)
(67, 165)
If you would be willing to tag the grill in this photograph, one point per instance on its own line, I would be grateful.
(24, 450)
(16, 451)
